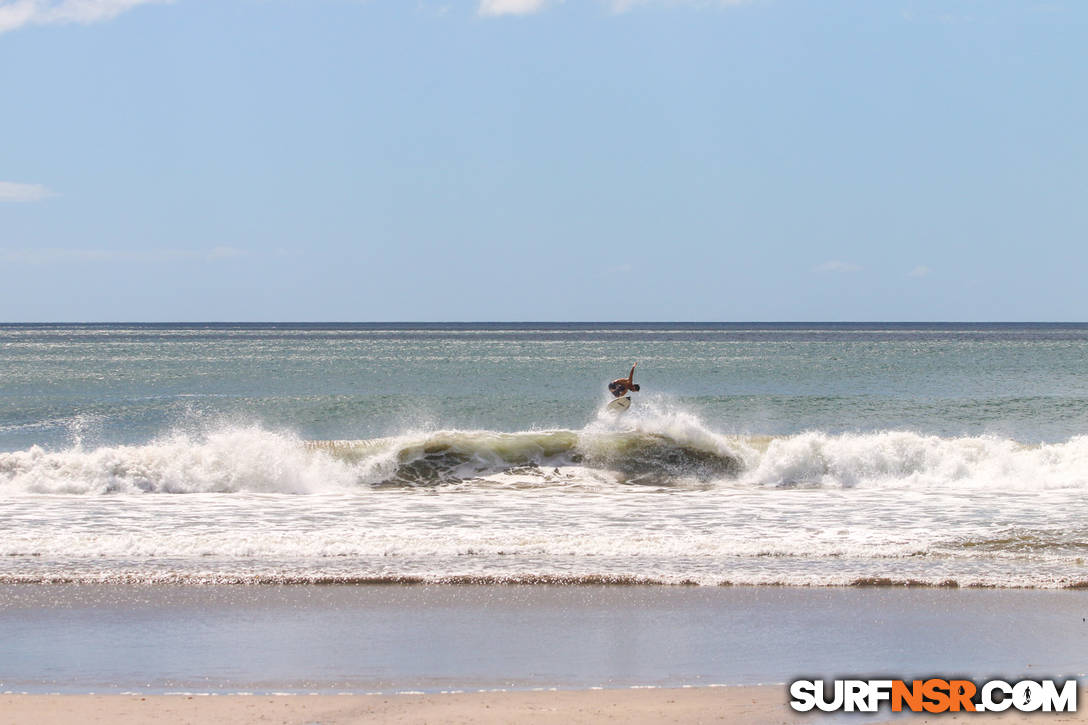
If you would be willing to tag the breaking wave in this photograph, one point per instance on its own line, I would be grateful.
(661, 448)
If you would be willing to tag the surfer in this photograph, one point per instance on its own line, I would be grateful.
(620, 386)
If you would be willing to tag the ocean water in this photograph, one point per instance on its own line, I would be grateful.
(808, 454)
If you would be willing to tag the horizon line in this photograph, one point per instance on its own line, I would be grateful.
(545, 322)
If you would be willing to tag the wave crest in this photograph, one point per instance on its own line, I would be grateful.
(912, 460)
(221, 461)
(666, 451)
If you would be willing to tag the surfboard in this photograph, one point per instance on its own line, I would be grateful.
(620, 404)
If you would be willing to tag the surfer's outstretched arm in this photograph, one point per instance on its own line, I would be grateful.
(631, 375)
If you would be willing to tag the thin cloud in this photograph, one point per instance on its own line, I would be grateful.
(432, 10)
(226, 253)
(920, 271)
(16, 14)
(46, 256)
(622, 6)
(835, 265)
(60, 255)
(13, 192)
(494, 8)
(510, 7)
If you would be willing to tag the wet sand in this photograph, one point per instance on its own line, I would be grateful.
(491, 654)
(79, 639)
(732, 704)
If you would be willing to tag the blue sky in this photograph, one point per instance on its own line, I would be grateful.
(534, 160)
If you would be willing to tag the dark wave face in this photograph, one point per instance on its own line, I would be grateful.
(459, 457)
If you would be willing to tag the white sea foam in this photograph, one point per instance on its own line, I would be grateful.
(911, 460)
(741, 535)
(659, 445)
(226, 460)
(551, 505)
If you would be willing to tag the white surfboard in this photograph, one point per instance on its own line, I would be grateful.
(620, 404)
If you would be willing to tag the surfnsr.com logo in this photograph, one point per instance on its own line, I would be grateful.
(933, 695)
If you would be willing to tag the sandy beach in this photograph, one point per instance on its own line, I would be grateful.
(723, 704)
(742, 705)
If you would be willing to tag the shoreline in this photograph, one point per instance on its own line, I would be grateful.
(535, 580)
